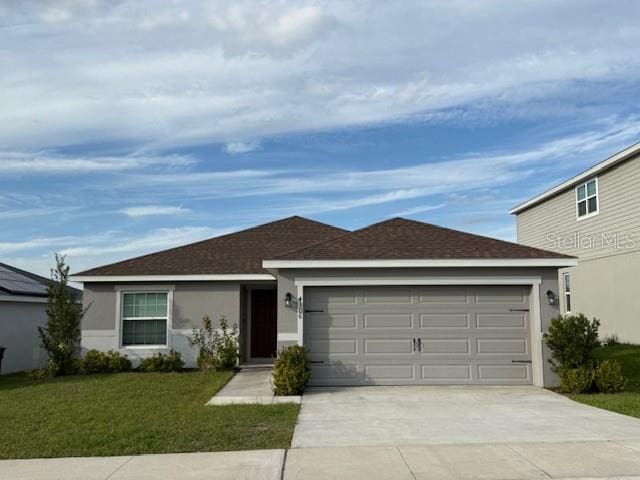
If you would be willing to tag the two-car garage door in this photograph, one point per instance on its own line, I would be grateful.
(426, 335)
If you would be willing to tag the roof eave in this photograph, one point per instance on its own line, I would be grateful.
(595, 170)
(232, 277)
(555, 262)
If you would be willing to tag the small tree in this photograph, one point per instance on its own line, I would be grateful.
(61, 336)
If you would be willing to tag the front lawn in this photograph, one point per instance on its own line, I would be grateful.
(627, 402)
(132, 413)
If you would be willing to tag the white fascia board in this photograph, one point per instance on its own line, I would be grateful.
(23, 299)
(593, 171)
(446, 263)
(171, 278)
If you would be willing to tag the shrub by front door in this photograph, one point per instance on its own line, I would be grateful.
(263, 323)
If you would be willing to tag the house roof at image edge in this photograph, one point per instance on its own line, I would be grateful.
(298, 238)
(14, 281)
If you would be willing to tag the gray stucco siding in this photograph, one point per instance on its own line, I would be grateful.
(607, 289)
(288, 318)
(191, 302)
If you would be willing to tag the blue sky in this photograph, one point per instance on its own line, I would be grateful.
(128, 127)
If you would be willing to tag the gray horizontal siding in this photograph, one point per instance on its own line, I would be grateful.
(619, 213)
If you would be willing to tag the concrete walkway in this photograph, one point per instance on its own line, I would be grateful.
(250, 385)
(514, 461)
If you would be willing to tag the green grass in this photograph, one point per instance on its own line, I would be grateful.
(132, 413)
(627, 402)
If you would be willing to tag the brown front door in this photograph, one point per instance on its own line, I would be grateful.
(263, 323)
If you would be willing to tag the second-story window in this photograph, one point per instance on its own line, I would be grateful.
(587, 198)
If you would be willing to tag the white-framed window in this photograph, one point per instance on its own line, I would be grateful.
(566, 280)
(145, 318)
(587, 199)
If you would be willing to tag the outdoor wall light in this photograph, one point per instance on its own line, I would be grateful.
(288, 300)
(551, 298)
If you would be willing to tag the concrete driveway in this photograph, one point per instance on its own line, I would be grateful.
(391, 416)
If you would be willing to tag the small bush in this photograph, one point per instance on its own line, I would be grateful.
(572, 340)
(291, 371)
(95, 361)
(39, 374)
(160, 362)
(611, 340)
(218, 349)
(117, 362)
(576, 380)
(608, 377)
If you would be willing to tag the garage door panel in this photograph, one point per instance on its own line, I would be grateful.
(444, 320)
(501, 320)
(446, 373)
(387, 295)
(500, 373)
(463, 341)
(390, 372)
(387, 320)
(388, 346)
(501, 295)
(445, 346)
(333, 346)
(337, 321)
(500, 346)
(322, 297)
(443, 294)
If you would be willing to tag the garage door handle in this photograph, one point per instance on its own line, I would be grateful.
(518, 309)
(314, 311)
(414, 343)
(520, 361)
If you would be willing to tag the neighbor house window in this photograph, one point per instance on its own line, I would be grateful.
(144, 318)
(567, 291)
(587, 198)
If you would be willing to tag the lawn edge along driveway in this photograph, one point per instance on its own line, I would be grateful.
(132, 414)
(627, 402)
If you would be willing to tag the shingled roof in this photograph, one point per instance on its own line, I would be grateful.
(298, 238)
(399, 238)
(236, 253)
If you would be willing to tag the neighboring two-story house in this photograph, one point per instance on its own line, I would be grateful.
(594, 216)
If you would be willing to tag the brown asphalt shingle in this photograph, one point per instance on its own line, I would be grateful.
(236, 253)
(297, 238)
(399, 238)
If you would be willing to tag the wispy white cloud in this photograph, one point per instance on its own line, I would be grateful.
(30, 163)
(446, 176)
(153, 210)
(419, 209)
(236, 148)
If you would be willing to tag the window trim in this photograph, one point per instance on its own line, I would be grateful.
(596, 195)
(120, 292)
(566, 293)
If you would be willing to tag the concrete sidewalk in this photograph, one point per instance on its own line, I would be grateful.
(255, 464)
(515, 461)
